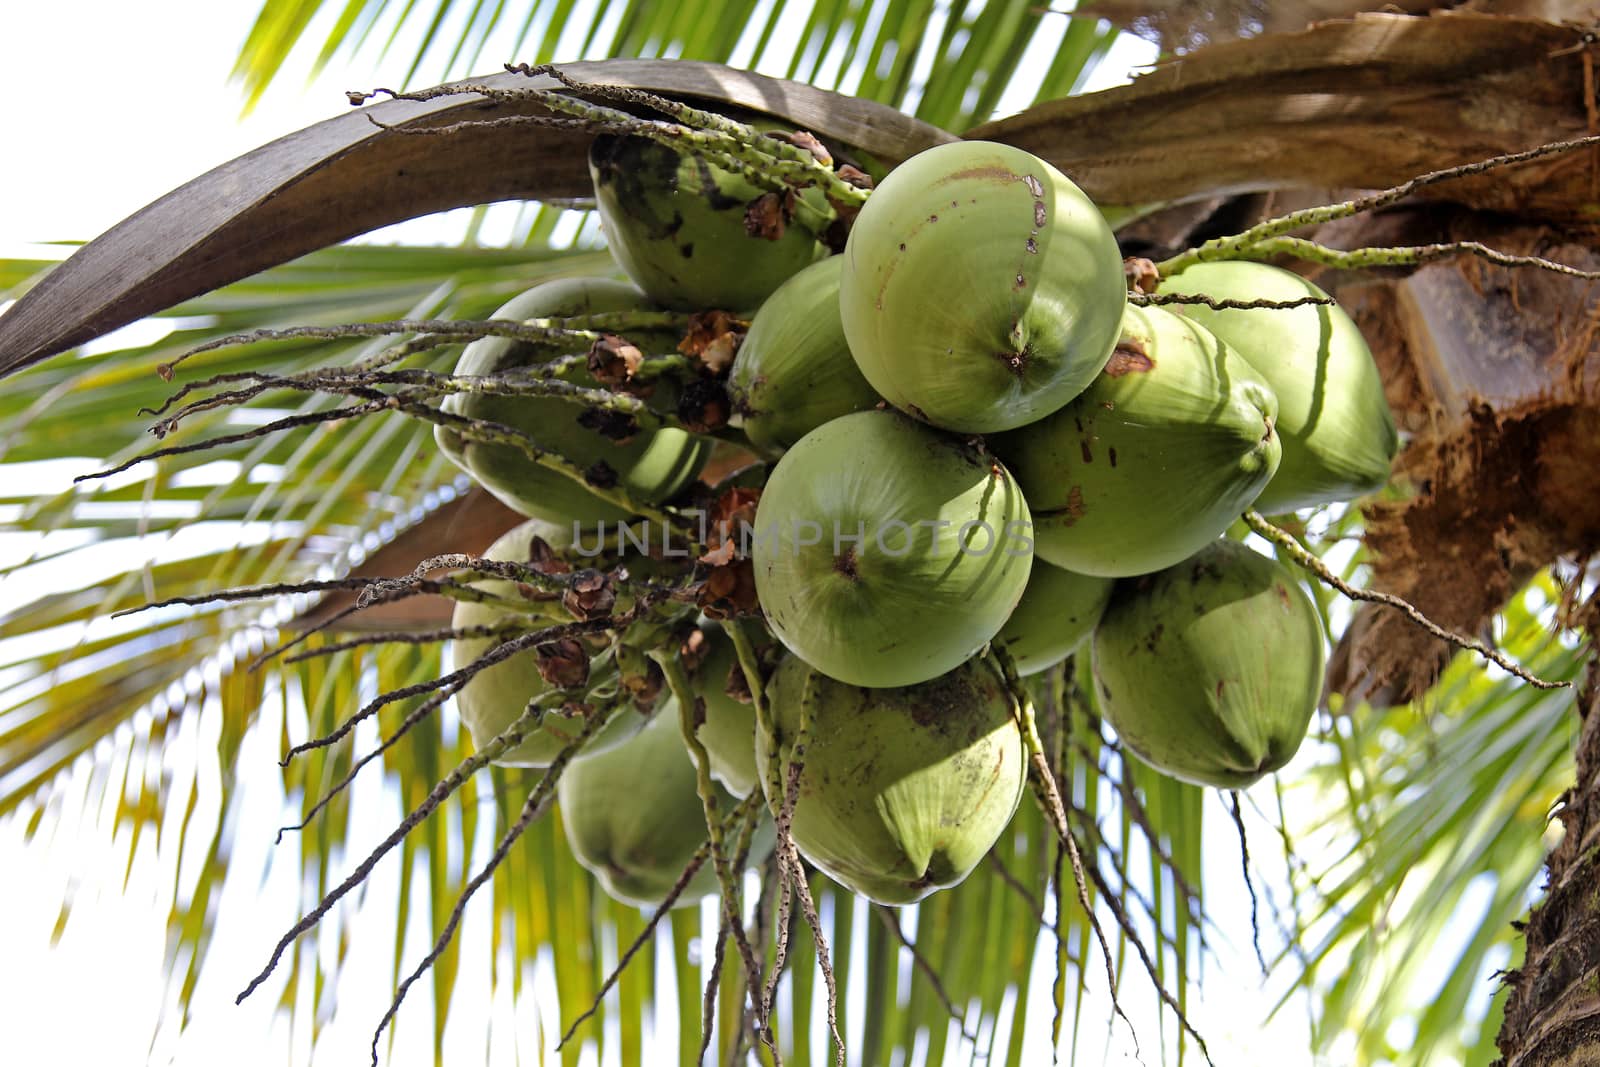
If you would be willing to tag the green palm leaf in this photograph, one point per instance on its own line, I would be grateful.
(973, 55)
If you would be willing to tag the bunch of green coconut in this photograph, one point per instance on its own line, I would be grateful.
(976, 457)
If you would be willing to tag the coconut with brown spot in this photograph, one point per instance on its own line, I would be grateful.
(695, 236)
(1173, 440)
(902, 791)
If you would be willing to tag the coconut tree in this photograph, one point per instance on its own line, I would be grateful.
(1416, 830)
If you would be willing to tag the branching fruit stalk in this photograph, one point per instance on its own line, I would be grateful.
(1297, 552)
(690, 716)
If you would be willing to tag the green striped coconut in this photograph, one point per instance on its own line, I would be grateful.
(982, 289)
(1155, 459)
(497, 695)
(1211, 669)
(634, 817)
(887, 553)
(653, 465)
(1338, 434)
(1057, 611)
(794, 371)
(676, 225)
(902, 791)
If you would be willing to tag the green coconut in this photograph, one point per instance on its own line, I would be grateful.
(982, 289)
(1338, 434)
(652, 465)
(887, 553)
(676, 225)
(1057, 611)
(729, 730)
(1156, 458)
(794, 371)
(902, 791)
(634, 817)
(497, 696)
(1211, 669)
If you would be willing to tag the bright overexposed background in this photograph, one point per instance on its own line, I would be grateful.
(110, 105)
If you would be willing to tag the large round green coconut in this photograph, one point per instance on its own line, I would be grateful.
(1156, 458)
(902, 791)
(982, 289)
(1211, 669)
(652, 465)
(1338, 435)
(887, 553)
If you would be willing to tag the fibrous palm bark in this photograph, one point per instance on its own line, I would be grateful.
(1553, 1013)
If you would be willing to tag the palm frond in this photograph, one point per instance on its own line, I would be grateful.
(1432, 824)
(950, 65)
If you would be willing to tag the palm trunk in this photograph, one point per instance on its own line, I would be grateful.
(1553, 1012)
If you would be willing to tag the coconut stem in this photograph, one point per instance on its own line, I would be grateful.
(708, 1000)
(1302, 557)
(723, 143)
(750, 815)
(1237, 245)
(719, 140)
(418, 384)
(370, 371)
(413, 387)
(1215, 304)
(458, 678)
(405, 637)
(471, 567)
(422, 711)
(1061, 737)
(584, 328)
(290, 422)
(749, 664)
(793, 869)
(1050, 799)
(376, 401)
(1009, 878)
(496, 433)
(698, 860)
(1044, 783)
(691, 714)
(1249, 883)
(782, 789)
(512, 735)
(1404, 256)
(808, 908)
(674, 109)
(538, 799)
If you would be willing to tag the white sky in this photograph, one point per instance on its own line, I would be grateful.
(110, 104)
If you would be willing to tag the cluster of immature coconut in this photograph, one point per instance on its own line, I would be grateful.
(983, 443)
